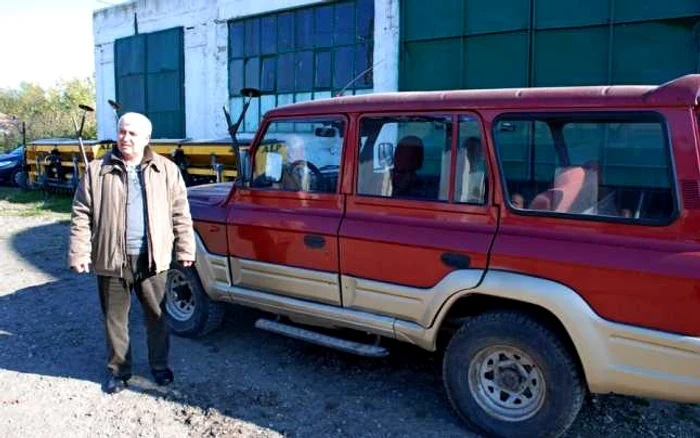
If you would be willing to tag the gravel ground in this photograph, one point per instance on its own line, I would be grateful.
(236, 382)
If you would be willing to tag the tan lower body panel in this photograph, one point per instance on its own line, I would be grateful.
(213, 269)
(410, 304)
(616, 358)
(322, 287)
(648, 363)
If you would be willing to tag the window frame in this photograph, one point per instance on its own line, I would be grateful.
(265, 125)
(587, 115)
(485, 152)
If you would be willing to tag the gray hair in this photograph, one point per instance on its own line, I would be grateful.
(137, 119)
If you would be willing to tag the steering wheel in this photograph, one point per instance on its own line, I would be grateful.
(303, 176)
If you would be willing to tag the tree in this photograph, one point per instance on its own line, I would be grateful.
(47, 112)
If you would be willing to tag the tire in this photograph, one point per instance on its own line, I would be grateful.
(508, 375)
(190, 311)
(19, 179)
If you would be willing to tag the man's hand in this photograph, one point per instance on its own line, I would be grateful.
(187, 263)
(82, 268)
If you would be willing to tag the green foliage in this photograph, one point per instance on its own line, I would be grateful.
(47, 112)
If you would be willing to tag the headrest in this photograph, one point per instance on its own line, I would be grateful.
(409, 154)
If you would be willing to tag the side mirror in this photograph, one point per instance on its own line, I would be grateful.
(273, 166)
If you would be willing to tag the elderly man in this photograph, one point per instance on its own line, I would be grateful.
(129, 213)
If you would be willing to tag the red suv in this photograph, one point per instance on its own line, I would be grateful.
(548, 238)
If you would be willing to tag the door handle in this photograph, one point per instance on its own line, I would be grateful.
(314, 241)
(454, 260)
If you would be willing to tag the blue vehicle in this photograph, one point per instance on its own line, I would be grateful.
(11, 166)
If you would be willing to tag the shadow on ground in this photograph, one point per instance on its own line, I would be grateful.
(55, 329)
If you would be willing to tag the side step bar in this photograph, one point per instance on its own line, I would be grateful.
(321, 339)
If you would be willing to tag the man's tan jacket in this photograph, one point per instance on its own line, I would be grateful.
(98, 218)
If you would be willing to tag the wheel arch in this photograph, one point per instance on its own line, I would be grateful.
(557, 305)
(473, 304)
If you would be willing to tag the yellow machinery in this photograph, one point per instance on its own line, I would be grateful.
(57, 164)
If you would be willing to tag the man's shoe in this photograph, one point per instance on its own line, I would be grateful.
(115, 384)
(163, 377)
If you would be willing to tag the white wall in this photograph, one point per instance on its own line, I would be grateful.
(206, 51)
(386, 45)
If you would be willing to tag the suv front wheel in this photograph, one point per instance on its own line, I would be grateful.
(508, 375)
(190, 311)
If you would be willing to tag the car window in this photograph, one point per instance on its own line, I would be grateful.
(300, 155)
(405, 157)
(471, 177)
(600, 165)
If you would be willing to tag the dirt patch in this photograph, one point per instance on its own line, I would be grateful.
(236, 382)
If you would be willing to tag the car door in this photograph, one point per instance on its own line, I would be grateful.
(418, 226)
(283, 229)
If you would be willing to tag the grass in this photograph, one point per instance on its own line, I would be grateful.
(24, 203)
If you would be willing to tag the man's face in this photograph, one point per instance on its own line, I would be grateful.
(132, 138)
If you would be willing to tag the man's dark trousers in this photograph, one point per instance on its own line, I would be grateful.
(115, 297)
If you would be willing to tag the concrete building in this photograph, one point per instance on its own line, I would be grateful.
(180, 61)
(203, 29)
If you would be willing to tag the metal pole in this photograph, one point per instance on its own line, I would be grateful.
(79, 131)
(80, 142)
(249, 94)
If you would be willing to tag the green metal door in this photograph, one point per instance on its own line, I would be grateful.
(520, 43)
(149, 72)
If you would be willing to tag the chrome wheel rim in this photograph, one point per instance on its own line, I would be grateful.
(180, 303)
(506, 383)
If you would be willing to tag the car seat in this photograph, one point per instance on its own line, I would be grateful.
(574, 190)
(408, 159)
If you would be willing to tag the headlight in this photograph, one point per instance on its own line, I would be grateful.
(6, 164)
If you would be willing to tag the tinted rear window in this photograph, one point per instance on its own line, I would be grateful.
(607, 166)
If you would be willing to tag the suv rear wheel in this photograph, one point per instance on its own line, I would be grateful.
(508, 375)
(190, 311)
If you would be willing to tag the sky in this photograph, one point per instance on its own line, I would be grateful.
(43, 41)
